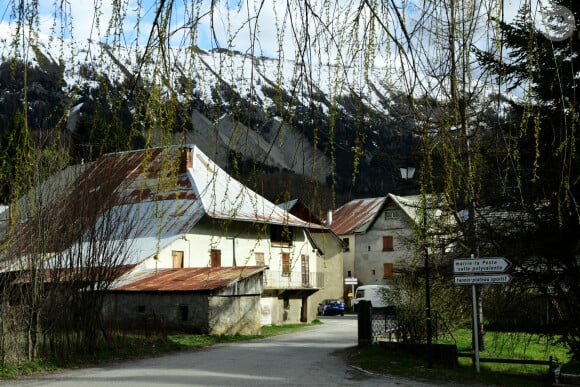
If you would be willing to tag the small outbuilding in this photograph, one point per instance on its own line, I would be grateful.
(215, 301)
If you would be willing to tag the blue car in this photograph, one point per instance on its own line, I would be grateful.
(331, 308)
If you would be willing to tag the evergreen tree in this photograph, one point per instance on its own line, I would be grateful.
(16, 160)
(539, 162)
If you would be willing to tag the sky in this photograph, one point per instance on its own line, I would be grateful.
(230, 19)
(81, 19)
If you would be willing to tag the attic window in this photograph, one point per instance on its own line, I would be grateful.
(392, 214)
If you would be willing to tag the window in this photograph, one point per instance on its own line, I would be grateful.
(281, 235)
(349, 273)
(387, 243)
(177, 259)
(305, 269)
(216, 258)
(388, 270)
(373, 271)
(260, 259)
(183, 312)
(346, 244)
(286, 264)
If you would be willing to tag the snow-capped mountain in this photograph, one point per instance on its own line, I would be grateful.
(282, 114)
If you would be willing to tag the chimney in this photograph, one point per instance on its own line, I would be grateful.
(186, 159)
(329, 218)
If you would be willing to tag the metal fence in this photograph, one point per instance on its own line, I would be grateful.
(294, 280)
(376, 324)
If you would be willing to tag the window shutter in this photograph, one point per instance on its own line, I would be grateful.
(216, 258)
(285, 263)
(387, 243)
(388, 270)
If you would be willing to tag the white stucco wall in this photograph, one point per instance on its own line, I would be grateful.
(370, 257)
(238, 243)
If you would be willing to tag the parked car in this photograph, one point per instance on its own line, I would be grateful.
(331, 307)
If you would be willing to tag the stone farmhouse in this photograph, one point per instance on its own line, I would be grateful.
(193, 248)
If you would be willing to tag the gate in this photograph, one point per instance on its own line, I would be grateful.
(375, 324)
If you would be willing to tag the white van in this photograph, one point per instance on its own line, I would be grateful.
(375, 294)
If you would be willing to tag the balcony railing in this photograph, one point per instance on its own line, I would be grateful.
(293, 280)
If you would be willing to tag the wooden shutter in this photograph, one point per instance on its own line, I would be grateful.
(388, 270)
(387, 243)
(285, 263)
(216, 258)
(177, 259)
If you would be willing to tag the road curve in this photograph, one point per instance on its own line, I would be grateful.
(310, 357)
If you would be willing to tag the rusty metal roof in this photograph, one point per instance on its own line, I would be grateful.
(356, 216)
(185, 279)
(148, 198)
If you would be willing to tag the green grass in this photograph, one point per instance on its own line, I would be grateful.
(497, 345)
(123, 347)
(375, 359)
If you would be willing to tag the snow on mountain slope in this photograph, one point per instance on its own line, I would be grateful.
(268, 85)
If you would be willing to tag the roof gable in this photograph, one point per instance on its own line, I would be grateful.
(356, 216)
(223, 197)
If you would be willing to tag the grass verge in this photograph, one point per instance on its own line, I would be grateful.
(376, 359)
(125, 347)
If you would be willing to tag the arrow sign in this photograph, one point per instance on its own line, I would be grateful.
(483, 279)
(480, 265)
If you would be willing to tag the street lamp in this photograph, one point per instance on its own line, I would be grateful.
(406, 174)
(427, 291)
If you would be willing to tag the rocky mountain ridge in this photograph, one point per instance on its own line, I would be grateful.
(317, 123)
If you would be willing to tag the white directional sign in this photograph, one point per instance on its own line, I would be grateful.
(480, 265)
(350, 281)
(483, 279)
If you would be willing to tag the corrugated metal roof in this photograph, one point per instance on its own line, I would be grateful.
(356, 216)
(148, 198)
(185, 279)
(224, 197)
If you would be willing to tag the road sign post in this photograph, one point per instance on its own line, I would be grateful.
(480, 271)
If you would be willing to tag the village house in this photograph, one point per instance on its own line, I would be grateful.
(330, 250)
(379, 234)
(199, 250)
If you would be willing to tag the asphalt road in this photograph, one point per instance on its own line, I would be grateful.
(311, 357)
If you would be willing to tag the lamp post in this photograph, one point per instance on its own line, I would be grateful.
(427, 291)
(406, 174)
